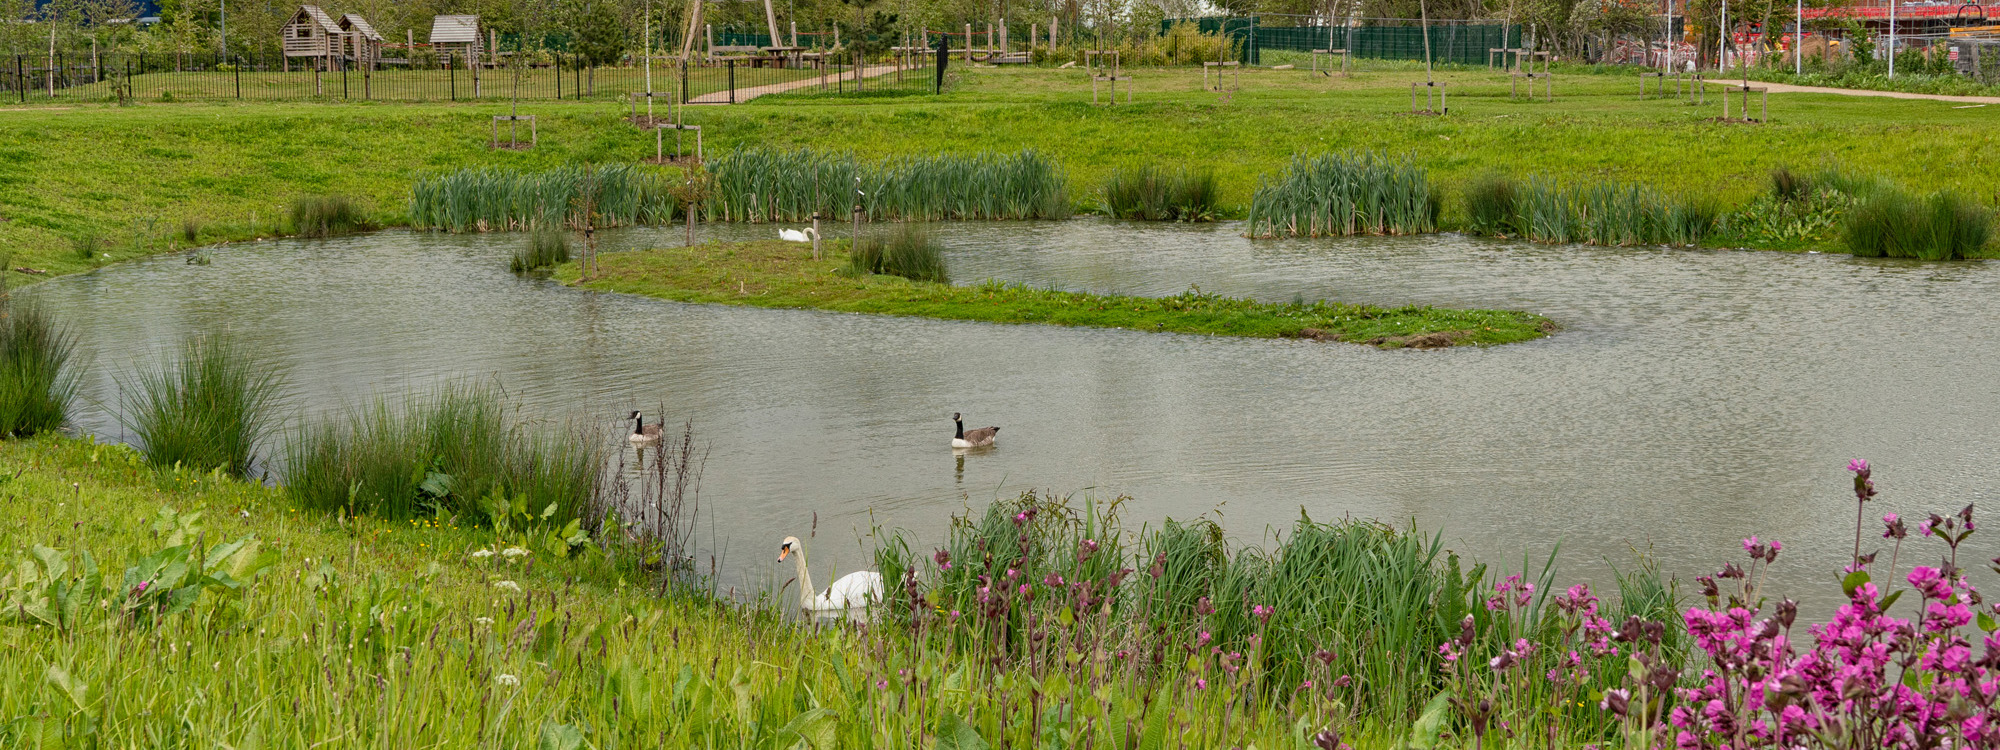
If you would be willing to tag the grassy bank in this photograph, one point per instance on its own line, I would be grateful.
(233, 169)
(779, 274)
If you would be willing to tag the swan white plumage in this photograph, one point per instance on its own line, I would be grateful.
(852, 591)
(794, 235)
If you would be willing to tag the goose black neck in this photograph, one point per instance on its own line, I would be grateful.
(638, 424)
(961, 428)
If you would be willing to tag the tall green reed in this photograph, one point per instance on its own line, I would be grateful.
(1151, 193)
(1344, 194)
(1601, 213)
(547, 247)
(487, 199)
(456, 451)
(210, 405)
(38, 372)
(907, 251)
(759, 184)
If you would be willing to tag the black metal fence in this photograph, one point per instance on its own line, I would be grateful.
(65, 77)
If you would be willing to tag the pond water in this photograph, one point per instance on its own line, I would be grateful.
(1694, 397)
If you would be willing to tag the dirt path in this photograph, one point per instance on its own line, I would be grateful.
(744, 95)
(1786, 88)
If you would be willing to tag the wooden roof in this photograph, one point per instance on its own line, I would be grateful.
(355, 22)
(455, 30)
(313, 14)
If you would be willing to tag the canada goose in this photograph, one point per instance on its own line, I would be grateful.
(642, 432)
(978, 438)
(794, 235)
(854, 590)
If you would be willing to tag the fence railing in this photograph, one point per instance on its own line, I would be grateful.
(450, 76)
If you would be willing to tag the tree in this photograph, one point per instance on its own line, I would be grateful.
(869, 34)
(599, 33)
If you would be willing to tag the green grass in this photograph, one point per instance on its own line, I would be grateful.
(325, 216)
(1151, 193)
(784, 275)
(758, 184)
(494, 200)
(275, 627)
(546, 248)
(1943, 226)
(207, 406)
(1332, 195)
(38, 369)
(457, 452)
(905, 250)
(1596, 214)
(236, 167)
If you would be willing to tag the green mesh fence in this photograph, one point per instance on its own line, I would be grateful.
(1450, 42)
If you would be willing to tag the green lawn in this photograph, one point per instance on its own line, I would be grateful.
(780, 274)
(130, 176)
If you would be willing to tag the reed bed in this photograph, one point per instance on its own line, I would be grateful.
(547, 247)
(758, 184)
(1150, 193)
(38, 369)
(1333, 195)
(1893, 224)
(487, 199)
(458, 451)
(326, 216)
(1597, 214)
(208, 406)
(907, 251)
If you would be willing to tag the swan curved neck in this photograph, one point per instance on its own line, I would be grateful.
(806, 590)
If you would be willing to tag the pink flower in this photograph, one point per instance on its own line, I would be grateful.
(1203, 639)
(1858, 466)
(1201, 683)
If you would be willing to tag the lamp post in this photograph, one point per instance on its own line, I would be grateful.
(1799, 38)
(1892, 38)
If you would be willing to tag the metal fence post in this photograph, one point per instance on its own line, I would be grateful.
(732, 81)
(452, 70)
(684, 80)
(557, 61)
(21, 77)
(239, 78)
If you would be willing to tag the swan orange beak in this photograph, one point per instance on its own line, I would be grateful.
(782, 552)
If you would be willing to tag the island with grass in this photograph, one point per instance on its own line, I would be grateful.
(785, 275)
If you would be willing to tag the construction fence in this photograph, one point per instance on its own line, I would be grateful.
(1449, 41)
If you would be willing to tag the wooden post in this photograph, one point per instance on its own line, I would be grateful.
(815, 235)
(968, 43)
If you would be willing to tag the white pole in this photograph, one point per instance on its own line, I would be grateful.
(1892, 38)
(1722, 46)
(1799, 38)
(1666, 36)
(222, 8)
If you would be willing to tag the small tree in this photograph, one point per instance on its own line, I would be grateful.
(600, 36)
(867, 35)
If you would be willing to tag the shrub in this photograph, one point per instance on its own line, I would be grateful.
(207, 407)
(1149, 193)
(326, 216)
(908, 252)
(38, 381)
(547, 247)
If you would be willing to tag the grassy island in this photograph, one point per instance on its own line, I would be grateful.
(784, 275)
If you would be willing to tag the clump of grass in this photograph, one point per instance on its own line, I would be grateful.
(1894, 224)
(498, 200)
(1491, 206)
(547, 247)
(1786, 186)
(1344, 194)
(208, 406)
(1149, 193)
(86, 247)
(759, 184)
(1598, 214)
(38, 380)
(191, 230)
(326, 216)
(454, 452)
(908, 251)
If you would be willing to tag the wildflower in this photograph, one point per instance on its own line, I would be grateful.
(507, 586)
(1858, 466)
(1262, 613)
(1020, 518)
(1201, 683)
(483, 620)
(1893, 527)
(1328, 739)
(507, 680)
(1203, 608)
(141, 588)
(1324, 656)
(482, 554)
(1085, 549)
(943, 559)
(1203, 639)
(881, 684)
(513, 552)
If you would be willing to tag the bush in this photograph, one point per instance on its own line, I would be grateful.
(207, 407)
(907, 252)
(326, 216)
(1153, 194)
(547, 247)
(458, 451)
(37, 380)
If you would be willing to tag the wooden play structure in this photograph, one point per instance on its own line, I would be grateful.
(313, 36)
(458, 35)
(1525, 70)
(1746, 91)
(363, 44)
(1434, 103)
(1095, 62)
(514, 131)
(1329, 54)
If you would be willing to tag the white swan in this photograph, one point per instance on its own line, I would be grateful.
(851, 591)
(794, 235)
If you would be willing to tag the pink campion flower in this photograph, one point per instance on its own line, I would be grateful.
(1203, 639)
(1858, 466)
(1524, 595)
(1930, 582)
(1262, 613)
(1085, 549)
(1892, 527)
(1201, 683)
(1053, 580)
(141, 588)
(1750, 545)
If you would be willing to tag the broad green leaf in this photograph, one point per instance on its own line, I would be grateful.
(1987, 624)
(815, 726)
(954, 734)
(1890, 600)
(1424, 733)
(76, 690)
(1853, 581)
(560, 736)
